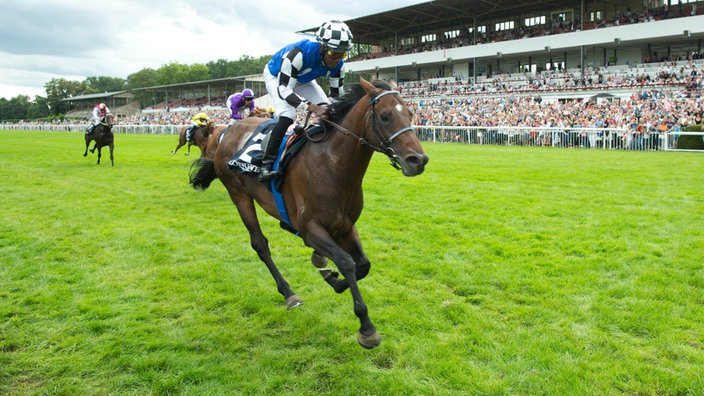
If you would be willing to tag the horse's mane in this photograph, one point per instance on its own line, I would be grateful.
(354, 92)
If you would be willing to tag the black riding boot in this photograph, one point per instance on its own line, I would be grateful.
(188, 132)
(272, 149)
(90, 129)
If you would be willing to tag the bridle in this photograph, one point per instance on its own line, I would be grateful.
(384, 146)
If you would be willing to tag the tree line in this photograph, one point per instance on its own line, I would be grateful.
(49, 107)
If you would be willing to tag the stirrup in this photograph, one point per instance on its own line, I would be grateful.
(266, 174)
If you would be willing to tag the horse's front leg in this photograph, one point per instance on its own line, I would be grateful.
(352, 245)
(329, 275)
(320, 240)
(99, 154)
(85, 153)
(112, 158)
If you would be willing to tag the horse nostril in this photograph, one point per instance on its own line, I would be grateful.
(417, 159)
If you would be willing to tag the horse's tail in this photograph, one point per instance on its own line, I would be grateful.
(202, 173)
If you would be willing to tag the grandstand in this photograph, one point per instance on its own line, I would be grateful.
(555, 51)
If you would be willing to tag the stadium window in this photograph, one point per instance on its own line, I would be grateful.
(452, 34)
(429, 37)
(480, 29)
(508, 25)
(408, 41)
(555, 66)
(595, 16)
(563, 17)
(535, 21)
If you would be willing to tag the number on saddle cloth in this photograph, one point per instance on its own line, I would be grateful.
(248, 159)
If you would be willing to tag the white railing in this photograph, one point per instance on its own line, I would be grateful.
(130, 129)
(568, 137)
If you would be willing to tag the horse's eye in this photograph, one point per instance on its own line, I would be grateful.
(385, 117)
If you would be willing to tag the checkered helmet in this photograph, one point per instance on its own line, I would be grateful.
(335, 35)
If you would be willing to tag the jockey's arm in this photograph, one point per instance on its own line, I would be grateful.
(291, 64)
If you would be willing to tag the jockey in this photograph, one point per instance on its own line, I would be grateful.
(99, 112)
(198, 120)
(240, 104)
(290, 80)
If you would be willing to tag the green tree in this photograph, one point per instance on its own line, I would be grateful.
(60, 88)
(142, 79)
(15, 108)
(172, 73)
(105, 84)
(39, 108)
(218, 68)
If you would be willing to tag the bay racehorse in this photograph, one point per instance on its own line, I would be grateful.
(214, 140)
(219, 132)
(322, 189)
(199, 137)
(102, 136)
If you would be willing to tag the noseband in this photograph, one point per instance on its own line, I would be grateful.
(384, 144)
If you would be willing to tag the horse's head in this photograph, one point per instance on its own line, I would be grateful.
(110, 119)
(389, 121)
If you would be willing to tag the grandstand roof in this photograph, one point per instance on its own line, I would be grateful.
(439, 14)
(102, 95)
(218, 83)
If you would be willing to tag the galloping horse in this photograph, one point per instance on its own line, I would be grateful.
(218, 132)
(214, 140)
(199, 137)
(103, 136)
(322, 189)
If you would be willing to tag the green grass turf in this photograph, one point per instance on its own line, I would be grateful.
(500, 270)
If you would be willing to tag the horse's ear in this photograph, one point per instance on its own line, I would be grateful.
(392, 84)
(368, 87)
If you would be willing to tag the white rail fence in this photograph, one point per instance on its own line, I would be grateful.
(567, 137)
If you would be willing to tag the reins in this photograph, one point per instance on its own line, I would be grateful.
(385, 144)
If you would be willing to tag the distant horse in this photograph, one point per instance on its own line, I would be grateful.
(199, 137)
(322, 189)
(220, 131)
(214, 139)
(103, 136)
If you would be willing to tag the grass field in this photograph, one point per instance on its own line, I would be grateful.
(500, 270)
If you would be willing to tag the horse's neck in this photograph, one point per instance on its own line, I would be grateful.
(351, 155)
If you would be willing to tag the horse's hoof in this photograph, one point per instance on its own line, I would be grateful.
(369, 341)
(85, 155)
(319, 261)
(293, 302)
(188, 153)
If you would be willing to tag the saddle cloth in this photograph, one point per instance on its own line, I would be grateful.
(248, 159)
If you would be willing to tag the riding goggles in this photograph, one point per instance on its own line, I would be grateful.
(336, 55)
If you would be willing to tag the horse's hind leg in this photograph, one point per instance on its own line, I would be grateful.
(178, 146)
(246, 209)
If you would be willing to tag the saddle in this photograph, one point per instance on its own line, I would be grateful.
(248, 159)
